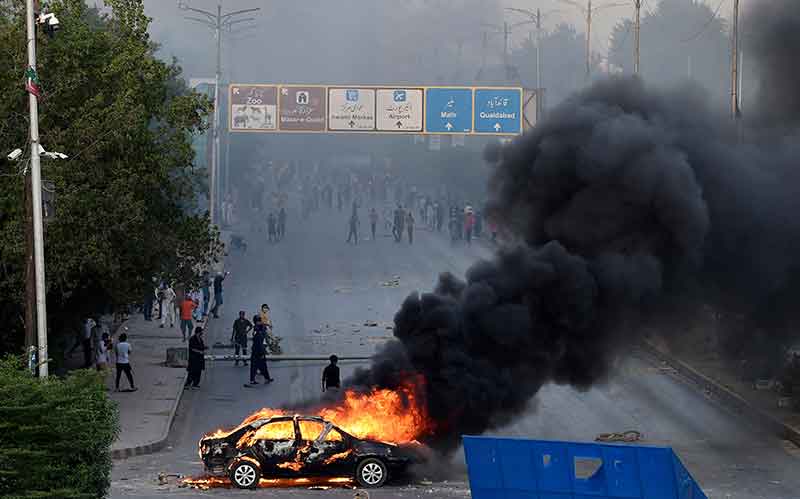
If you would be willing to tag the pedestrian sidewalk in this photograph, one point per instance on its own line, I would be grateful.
(724, 382)
(146, 414)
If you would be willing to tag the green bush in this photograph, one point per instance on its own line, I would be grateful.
(55, 434)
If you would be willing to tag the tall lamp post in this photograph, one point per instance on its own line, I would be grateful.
(588, 11)
(218, 22)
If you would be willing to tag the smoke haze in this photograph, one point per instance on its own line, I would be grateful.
(624, 203)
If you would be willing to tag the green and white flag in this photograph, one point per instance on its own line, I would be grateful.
(32, 84)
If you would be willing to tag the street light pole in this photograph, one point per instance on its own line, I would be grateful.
(218, 22)
(636, 31)
(588, 40)
(36, 199)
(735, 111)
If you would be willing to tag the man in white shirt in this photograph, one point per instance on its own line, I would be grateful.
(123, 361)
(168, 310)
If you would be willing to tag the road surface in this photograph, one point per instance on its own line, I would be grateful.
(322, 291)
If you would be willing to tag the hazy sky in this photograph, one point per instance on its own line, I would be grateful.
(345, 40)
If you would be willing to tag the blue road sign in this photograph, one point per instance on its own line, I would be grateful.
(448, 110)
(498, 110)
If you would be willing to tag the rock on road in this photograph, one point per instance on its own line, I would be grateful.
(323, 291)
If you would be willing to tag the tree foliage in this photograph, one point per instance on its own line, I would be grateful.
(56, 434)
(563, 64)
(125, 199)
(680, 40)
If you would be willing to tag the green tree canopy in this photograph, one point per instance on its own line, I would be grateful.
(125, 199)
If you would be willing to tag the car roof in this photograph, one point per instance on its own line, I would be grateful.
(261, 422)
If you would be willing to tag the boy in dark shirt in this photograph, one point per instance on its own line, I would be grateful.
(330, 376)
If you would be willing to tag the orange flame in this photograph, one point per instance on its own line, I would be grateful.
(397, 416)
(206, 483)
(337, 457)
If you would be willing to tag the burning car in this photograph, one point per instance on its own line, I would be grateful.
(300, 446)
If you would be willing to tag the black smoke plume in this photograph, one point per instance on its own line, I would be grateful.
(622, 204)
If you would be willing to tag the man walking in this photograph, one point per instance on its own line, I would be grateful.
(272, 227)
(353, 234)
(168, 311)
(281, 223)
(258, 360)
(206, 292)
(373, 221)
(123, 361)
(187, 307)
(410, 226)
(197, 359)
(218, 292)
(241, 327)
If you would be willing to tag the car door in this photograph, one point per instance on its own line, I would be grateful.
(276, 445)
(324, 449)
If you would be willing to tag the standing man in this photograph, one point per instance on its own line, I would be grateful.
(241, 327)
(187, 307)
(197, 359)
(373, 221)
(258, 352)
(206, 292)
(281, 223)
(354, 222)
(469, 224)
(410, 226)
(218, 292)
(86, 342)
(123, 361)
(330, 376)
(169, 307)
(147, 306)
(272, 226)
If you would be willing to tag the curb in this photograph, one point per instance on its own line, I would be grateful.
(161, 441)
(725, 395)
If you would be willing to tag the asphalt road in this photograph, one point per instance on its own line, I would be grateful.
(322, 291)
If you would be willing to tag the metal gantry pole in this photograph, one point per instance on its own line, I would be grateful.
(538, 54)
(36, 199)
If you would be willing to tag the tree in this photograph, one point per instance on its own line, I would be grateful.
(679, 40)
(125, 207)
(563, 66)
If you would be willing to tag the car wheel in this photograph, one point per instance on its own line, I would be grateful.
(245, 475)
(371, 473)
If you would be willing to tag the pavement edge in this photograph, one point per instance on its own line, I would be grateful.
(161, 441)
(725, 394)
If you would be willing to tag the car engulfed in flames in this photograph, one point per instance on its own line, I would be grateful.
(381, 438)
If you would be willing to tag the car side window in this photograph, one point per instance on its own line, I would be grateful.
(333, 435)
(310, 430)
(277, 430)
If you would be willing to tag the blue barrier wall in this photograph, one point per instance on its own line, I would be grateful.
(505, 468)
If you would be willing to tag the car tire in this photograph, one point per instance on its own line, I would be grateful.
(245, 475)
(371, 473)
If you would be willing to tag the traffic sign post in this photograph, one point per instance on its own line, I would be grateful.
(302, 108)
(351, 109)
(498, 111)
(253, 108)
(448, 110)
(399, 109)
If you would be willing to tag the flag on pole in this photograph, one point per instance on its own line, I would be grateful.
(32, 84)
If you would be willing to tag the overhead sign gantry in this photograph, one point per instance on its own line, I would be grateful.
(376, 109)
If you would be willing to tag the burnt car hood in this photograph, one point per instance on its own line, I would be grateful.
(408, 453)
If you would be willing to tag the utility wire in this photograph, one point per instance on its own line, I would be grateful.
(706, 25)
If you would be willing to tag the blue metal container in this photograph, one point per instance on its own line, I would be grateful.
(506, 468)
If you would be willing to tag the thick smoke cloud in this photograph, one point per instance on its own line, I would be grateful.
(625, 202)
